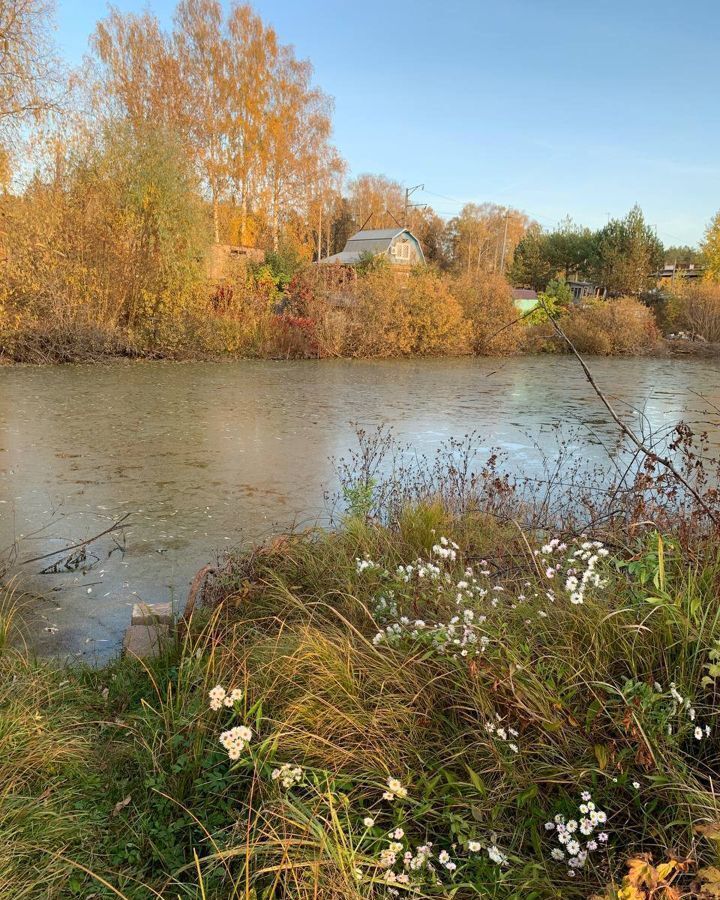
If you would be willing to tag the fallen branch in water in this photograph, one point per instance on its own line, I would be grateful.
(77, 546)
(664, 461)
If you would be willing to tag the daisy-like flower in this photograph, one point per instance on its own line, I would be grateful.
(602, 837)
(233, 697)
(217, 696)
(698, 733)
(474, 846)
(497, 856)
(557, 854)
(395, 789)
(398, 834)
(573, 847)
(368, 821)
(287, 775)
(235, 740)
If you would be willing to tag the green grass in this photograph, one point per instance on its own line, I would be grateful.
(293, 627)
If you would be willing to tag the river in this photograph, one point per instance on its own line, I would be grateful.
(206, 456)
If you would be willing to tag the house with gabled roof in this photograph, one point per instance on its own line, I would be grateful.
(398, 245)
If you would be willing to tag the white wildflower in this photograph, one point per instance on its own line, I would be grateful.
(497, 856)
(217, 696)
(395, 790)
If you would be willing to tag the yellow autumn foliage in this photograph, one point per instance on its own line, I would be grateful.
(417, 315)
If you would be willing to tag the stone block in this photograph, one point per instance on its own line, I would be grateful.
(144, 641)
(152, 614)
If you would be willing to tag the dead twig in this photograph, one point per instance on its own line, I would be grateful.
(198, 583)
(664, 461)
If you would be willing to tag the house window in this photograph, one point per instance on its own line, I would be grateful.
(402, 250)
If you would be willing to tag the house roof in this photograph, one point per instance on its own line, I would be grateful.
(345, 256)
(523, 294)
(373, 241)
(370, 234)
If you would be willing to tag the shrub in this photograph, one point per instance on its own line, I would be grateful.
(115, 243)
(695, 308)
(486, 300)
(435, 318)
(389, 316)
(611, 327)
(558, 291)
(290, 337)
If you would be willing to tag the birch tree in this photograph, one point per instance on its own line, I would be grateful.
(28, 68)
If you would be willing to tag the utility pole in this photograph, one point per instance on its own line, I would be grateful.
(504, 244)
(408, 193)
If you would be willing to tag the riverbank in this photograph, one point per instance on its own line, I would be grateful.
(371, 315)
(665, 348)
(434, 705)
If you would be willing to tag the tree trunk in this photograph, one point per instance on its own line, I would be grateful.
(243, 216)
(276, 219)
(216, 217)
(319, 251)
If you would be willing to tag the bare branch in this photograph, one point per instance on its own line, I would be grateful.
(664, 461)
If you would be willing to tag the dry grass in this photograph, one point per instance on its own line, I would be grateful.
(293, 626)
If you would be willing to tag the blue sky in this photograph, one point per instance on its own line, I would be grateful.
(554, 107)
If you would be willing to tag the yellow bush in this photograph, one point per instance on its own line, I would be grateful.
(434, 319)
(608, 327)
(389, 315)
(695, 309)
(486, 300)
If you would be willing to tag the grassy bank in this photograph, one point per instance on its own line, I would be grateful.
(442, 678)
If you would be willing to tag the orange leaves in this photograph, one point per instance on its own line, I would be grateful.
(250, 119)
(647, 881)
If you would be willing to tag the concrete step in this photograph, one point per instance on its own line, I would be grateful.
(152, 614)
(144, 641)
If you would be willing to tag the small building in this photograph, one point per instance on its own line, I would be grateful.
(680, 270)
(398, 245)
(581, 289)
(524, 299)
